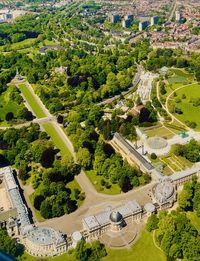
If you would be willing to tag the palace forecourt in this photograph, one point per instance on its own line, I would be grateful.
(114, 226)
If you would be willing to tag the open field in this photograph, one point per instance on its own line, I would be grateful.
(143, 250)
(190, 112)
(96, 181)
(32, 102)
(58, 142)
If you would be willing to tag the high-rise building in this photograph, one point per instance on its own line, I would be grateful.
(114, 18)
(154, 20)
(178, 16)
(129, 17)
(126, 23)
(143, 25)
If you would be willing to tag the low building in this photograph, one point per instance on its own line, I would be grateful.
(42, 241)
(129, 153)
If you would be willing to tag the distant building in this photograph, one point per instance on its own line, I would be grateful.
(154, 20)
(143, 25)
(126, 23)
(178, 16)
(114, 18)
(7, 16)
(129, 16)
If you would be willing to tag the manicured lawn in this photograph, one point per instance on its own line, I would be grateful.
(8, 105)
(190, 112)
(58, 142)
(96, 181)
(160, 132)
(32, 102)
(194, 220)
(65, 257)
(143, 250)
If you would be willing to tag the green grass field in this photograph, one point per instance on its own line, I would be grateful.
(65, 257)
(160, 132)
(58, 142)
(190, 112)
(32, 102)
(179, 76)
(96, 181)
(143, 250)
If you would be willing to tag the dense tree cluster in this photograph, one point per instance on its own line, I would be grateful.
(28, 146)
(7, 244)
(111, 167)
(94, 252)
(52, 198)
(177, 237)
(190, 151)
(189, 197)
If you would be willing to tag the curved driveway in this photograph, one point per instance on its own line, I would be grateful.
(94, 203)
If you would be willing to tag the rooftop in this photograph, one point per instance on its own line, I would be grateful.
(103, 218)
(143, 161)
(45, 236)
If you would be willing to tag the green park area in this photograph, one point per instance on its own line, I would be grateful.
(48, 127)
(188, 101)
(7, 104)
(32, 101)
(107, 188)
(58, 142)
(179, 76)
